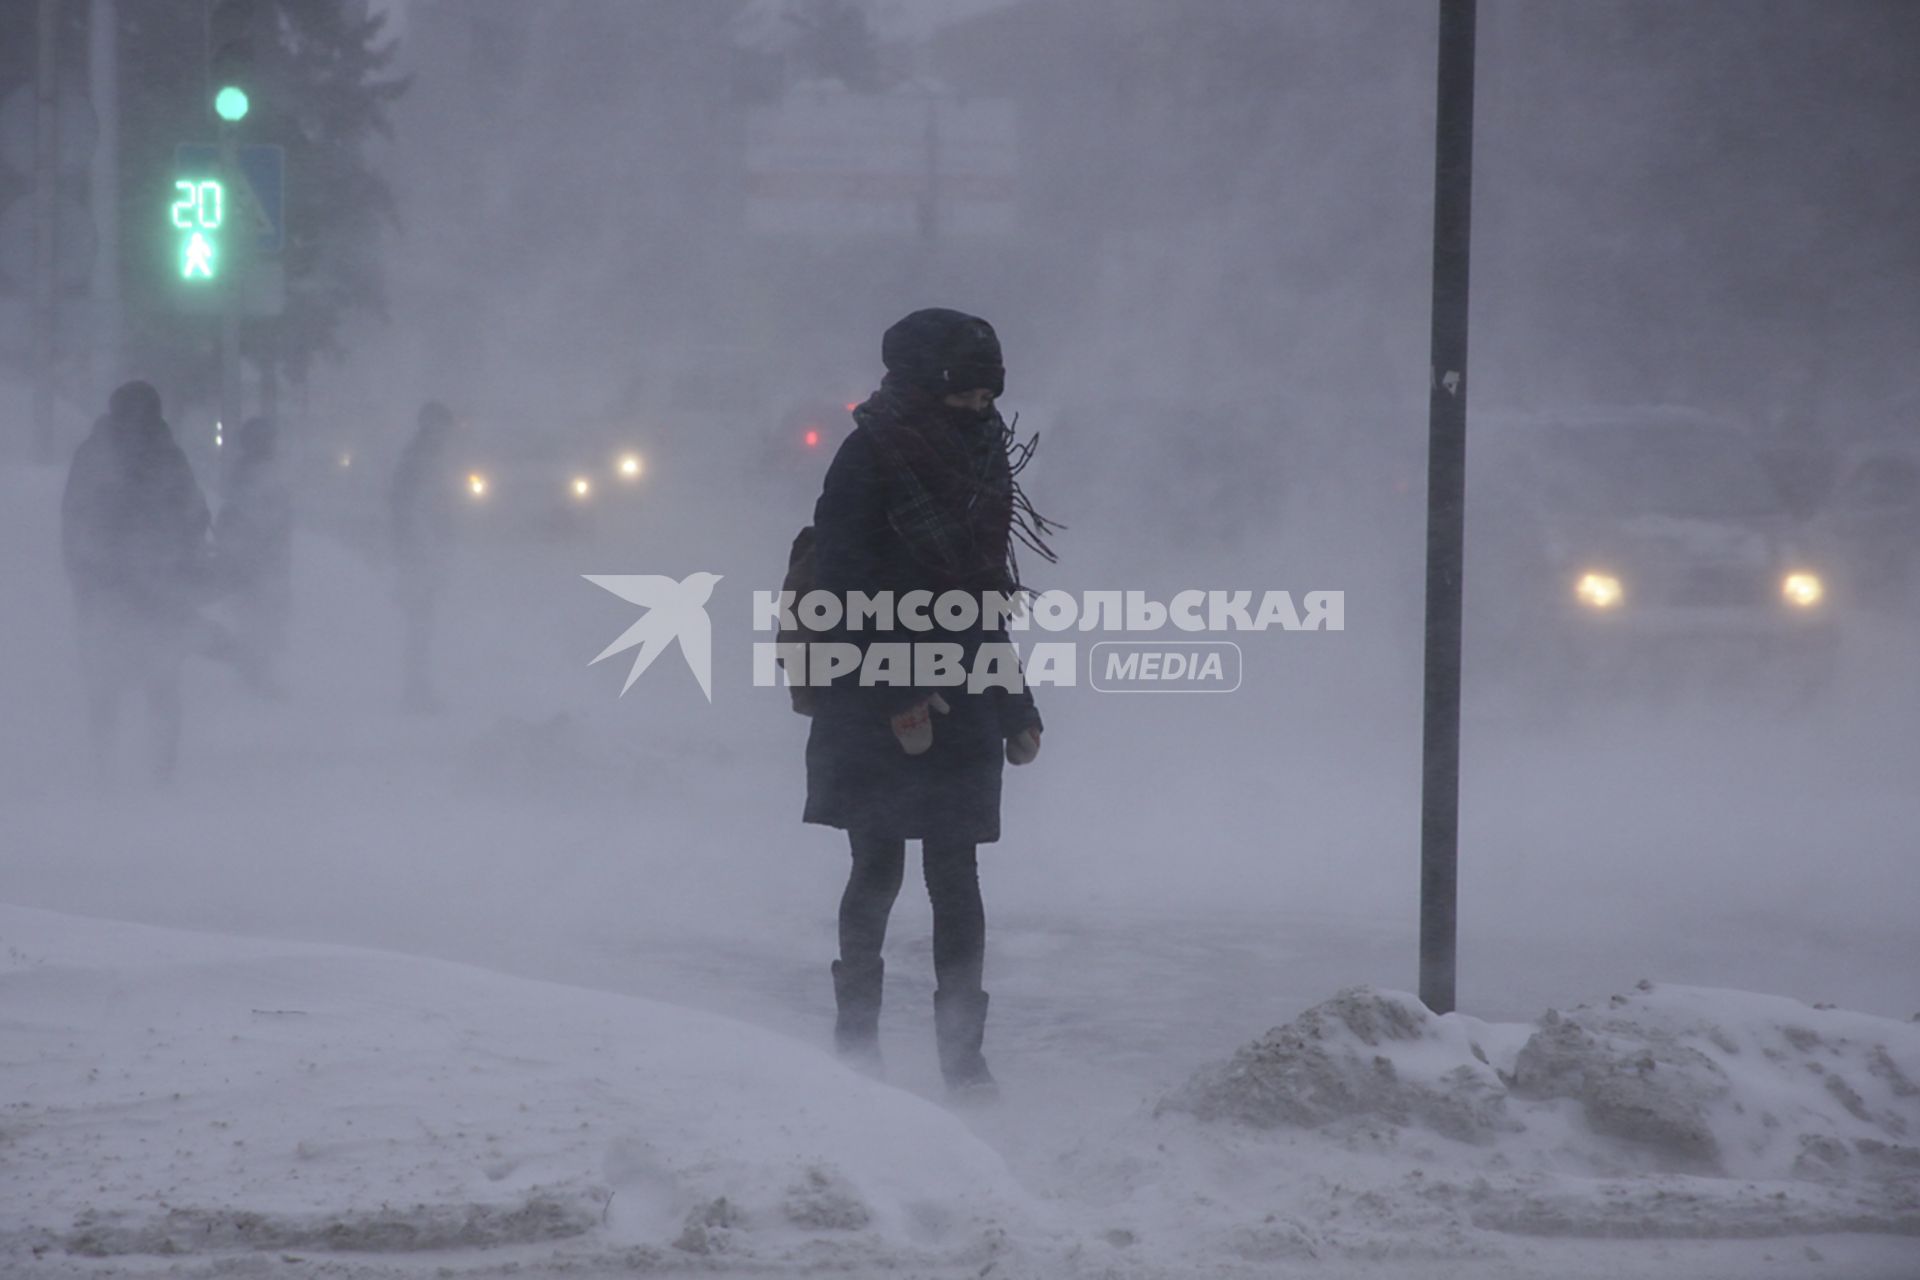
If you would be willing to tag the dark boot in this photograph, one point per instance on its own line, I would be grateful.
(960, 1024)
(856, 1027)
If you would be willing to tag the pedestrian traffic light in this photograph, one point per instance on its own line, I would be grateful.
(230, 32)
(198, 213)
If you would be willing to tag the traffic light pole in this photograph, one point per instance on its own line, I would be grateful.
(103, 70)
(46, 229)
(232, 275)
(1446, 508)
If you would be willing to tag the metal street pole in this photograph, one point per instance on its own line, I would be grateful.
(103, 68)
(232, 272)
(1446, 503)
(46, 258)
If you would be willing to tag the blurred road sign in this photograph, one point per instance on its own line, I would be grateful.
(261, 205)
(829, 163)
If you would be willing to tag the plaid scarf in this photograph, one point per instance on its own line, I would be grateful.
(952, 493)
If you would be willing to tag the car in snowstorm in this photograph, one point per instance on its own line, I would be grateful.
(1871, 520)
(1634, 554)
(550, 487)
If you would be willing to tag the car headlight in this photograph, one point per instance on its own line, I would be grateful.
(1598, 590)
(1802, 590)
(630, 466)
(582, 488)
(477, 485)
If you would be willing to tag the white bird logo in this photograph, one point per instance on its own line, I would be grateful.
(674, 611)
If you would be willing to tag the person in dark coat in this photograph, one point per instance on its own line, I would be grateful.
(425, 489)
(253, 539)
(921, 495)
(134, 540)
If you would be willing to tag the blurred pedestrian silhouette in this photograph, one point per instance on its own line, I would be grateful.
(134, 538)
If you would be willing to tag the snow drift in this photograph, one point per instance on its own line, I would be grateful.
(1672, 1111)
(179, 1094)
(199, 1104)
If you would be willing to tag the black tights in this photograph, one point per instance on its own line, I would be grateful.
(953, 885)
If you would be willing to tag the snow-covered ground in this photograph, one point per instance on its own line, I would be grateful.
(202, 1104)
(1175, 882)
(173, 1093)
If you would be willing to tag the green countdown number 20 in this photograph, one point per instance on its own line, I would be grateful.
(201, 205)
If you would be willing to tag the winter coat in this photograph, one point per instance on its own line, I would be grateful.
(133, 523)
(858, 777)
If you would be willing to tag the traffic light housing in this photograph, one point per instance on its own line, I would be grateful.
(231, 27)
(197, 215)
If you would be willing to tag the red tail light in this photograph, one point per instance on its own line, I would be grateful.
(812, 438)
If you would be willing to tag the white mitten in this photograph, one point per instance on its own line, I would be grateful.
(914, 726)
(1023, 747)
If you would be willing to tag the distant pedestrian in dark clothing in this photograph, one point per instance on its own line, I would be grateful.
(134, 538)
(253, 539)
(922, 496)
(425, 490)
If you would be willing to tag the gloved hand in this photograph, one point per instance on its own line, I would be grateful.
(913, 728)
(1023, 747)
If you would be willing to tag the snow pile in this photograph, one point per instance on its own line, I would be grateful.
(208, 1105)
(1670, 1079)
(173, 1094)
(1673, 1112)
(1735, 1085)
(1367, 1056)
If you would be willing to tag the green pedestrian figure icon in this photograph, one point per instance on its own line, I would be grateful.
(197, 264)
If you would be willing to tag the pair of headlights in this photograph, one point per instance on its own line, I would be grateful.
(1603, 591)
(478, 486)
(627, 467)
